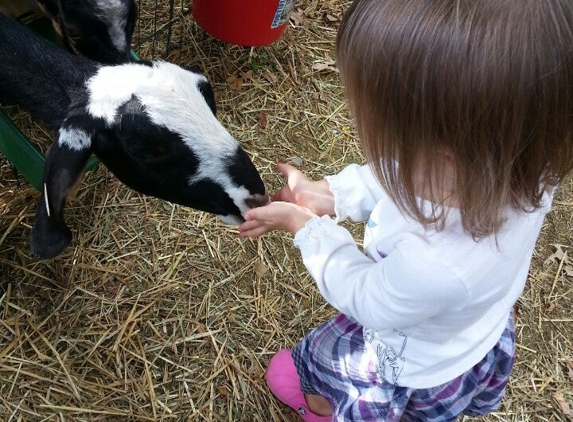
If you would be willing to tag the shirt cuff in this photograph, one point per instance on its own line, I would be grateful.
(315, 228)
(341, 194)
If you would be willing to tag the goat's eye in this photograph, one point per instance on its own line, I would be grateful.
(73, 33)
(153, 153)
(159, 151)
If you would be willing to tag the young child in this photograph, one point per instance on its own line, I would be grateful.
(464, 109)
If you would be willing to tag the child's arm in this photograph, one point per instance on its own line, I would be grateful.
(407, 287)
(352, 193)
(355, 194)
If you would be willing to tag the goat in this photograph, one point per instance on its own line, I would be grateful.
(98, 29)
(152, 124)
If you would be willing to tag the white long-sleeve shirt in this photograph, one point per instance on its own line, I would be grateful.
(432, 303)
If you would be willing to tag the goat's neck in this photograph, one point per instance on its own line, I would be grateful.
(36, 74)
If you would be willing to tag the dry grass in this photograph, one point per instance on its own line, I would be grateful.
(157, 312)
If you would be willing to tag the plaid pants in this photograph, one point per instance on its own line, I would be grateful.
(331, 362)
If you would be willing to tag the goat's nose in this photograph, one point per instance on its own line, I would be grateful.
(257, 200)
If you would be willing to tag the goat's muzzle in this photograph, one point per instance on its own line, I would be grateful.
(256, 201)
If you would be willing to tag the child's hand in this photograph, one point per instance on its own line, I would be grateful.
(275, 216)
(300, 190)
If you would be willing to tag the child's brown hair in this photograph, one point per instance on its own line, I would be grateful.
(488, 83)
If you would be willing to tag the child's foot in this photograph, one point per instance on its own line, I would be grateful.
(284, 383)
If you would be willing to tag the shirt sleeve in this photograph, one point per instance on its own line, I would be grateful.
(406, 287)
(356, 191)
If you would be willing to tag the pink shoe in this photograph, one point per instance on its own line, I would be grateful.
(284, 383)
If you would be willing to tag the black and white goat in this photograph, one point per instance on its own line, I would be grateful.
(98, 29)
(152, 124)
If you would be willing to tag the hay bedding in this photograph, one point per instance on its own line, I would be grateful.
(158, 312)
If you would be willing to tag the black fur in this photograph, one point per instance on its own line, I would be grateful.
(148, 157)
(34, 74)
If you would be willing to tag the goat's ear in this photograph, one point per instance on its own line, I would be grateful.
(64, 166)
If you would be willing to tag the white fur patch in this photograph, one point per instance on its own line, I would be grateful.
(113, 86)
(171, 98)
(75, 139)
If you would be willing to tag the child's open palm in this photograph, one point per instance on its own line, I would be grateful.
(293, 205)
(277, 215)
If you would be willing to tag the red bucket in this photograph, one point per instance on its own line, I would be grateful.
(248, 23)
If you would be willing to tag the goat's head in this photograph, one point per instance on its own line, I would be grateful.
(154, 126)
(98, 29)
